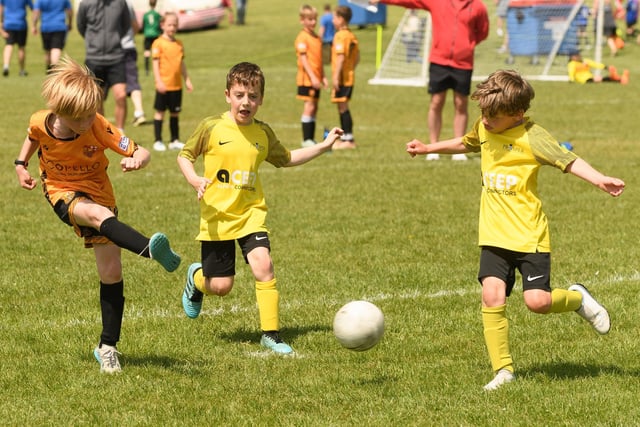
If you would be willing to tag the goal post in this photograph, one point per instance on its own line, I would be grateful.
(542, 34)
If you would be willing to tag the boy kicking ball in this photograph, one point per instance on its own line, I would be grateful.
(71, 139)
(513, 230)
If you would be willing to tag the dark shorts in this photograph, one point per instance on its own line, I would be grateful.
(17, 37)
(148, 41)
(109, 75)
(131, 70)
(535, 268)
(342, 95)
(219, 257)
(308, 93)
(443, 78)
(64, 209)
(171, 100)
(54, 40)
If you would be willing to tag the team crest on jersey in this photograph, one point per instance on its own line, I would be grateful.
(124, 143)
(89, 150)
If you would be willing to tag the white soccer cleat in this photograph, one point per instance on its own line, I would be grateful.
(159, 146)
(503, 376)
(460, 157)
(592, 311)
(433, 156)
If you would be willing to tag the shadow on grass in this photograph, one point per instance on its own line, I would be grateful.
(575, 371)
(287, 334)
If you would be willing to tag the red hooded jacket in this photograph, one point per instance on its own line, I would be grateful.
(457, 27)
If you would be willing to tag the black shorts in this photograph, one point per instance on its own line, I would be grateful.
(131, 70)
(17, 37)
(343, 94)
(443, 78)
(308, 93)
(148, 41)
(535, 268)
(109, 75)
(170, 100)
(219, 257)
(54, 40)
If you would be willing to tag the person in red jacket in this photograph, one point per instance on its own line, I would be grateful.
(457, 27)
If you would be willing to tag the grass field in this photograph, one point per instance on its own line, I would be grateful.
(366, 224)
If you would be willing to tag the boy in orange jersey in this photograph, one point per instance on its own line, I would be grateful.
(71, 139)
(310, 77)
(345, 55)
(168, 70)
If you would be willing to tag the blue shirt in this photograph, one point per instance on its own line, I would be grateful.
(15, 14)
(326, 21)
(53, 15)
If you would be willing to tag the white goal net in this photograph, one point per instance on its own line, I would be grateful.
(542, 34)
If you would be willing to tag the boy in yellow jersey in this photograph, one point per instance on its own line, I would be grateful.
(232, 203)
(169, 69)
(345, 55)
(71, 139)
(310, 76)
(579, 70)
(513, 229)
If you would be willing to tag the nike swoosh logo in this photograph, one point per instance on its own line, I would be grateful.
(532, 278)
(261, 237)
(223, 142)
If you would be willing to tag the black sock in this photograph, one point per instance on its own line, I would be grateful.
(308, 130)
(174, 128)
(157, 129)
(112, 308)
(346, 122)
(125, 236)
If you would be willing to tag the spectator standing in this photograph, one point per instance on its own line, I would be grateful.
(56, 19)
(458, 26)
(134, 91)
(151, 31)
(326, 33)
(14, 31)
(103, 24)
(241, 11)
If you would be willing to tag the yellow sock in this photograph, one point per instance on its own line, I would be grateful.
(198, 280)
(496, 337)
(563, 300)
(268, 297)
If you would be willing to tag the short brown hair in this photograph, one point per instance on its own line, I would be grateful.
(345, 13)
(246, 74)
(504, 91)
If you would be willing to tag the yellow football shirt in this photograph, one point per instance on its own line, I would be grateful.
(233, 205)
(511, 215)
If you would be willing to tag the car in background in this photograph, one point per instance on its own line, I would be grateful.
(192, 14)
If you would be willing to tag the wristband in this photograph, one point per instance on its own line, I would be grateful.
(21, 163)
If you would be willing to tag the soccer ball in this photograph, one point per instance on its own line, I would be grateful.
(358, 325)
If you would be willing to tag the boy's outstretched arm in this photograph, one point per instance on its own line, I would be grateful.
(450, 146)
(584, 170)
(303, 155)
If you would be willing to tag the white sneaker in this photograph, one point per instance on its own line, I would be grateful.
(503, 376)
(176, 145)
(461, 157)
(308, 143)
(433, 156)
(592, 311)
(107, 356)
(159, 146)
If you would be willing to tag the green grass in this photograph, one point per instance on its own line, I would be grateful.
(367, 224)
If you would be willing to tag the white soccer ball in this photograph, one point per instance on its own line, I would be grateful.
(358, 325)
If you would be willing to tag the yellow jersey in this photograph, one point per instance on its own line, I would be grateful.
(233, 205)
(511, 215)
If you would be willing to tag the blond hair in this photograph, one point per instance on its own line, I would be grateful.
(504, 91)
(307, 11)
(71, 89)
